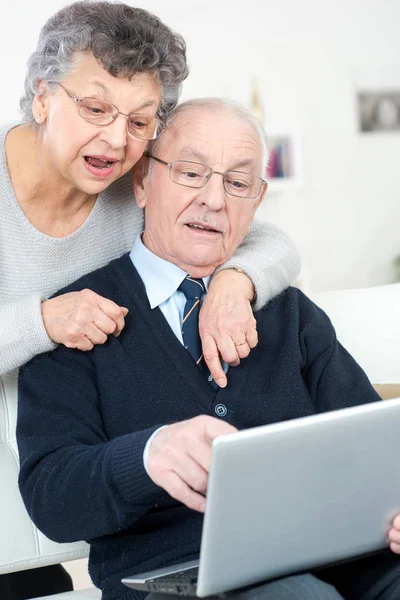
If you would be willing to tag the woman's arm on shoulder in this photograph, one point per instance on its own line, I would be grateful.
(22, 332)
(269, 263)
(269, 258)
(32, 325)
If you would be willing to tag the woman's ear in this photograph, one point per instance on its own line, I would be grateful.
(140, 174)
(39, 103)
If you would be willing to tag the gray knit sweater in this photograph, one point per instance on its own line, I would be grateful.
(34, 266)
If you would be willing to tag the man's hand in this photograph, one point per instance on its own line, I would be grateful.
(82, 319)
(180, 455)
(227, 325)
(394, 535)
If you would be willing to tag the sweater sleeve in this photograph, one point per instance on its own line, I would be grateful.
(333, 378)
(23, 334)
(269, 258)
(76, 483)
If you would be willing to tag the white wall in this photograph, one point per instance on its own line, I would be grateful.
(306, 55)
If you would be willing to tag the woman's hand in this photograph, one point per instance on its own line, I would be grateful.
(226, 323)
(82, 319)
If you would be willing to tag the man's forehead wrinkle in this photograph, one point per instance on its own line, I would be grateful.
(194, 147)
(247, 142)
(189, 139)
(243, 152)
(196, 144)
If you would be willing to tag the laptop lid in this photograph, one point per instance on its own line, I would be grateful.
(306, 492)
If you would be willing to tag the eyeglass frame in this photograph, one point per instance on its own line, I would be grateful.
(77, 99)
(208, 177)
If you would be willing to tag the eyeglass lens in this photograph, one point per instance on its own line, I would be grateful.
(102, 113)
(236, 183)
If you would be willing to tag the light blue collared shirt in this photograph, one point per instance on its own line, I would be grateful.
(161, 280)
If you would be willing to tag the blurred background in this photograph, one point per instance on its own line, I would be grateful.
(315, 71)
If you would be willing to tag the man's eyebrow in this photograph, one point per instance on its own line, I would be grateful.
(190, 153)
(242, 164)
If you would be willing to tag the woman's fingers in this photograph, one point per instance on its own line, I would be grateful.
(226, 323)
(82, 319)
(114, 312)
(212, 359)
(251, 333)
(242, 349)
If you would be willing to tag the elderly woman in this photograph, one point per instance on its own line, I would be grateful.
(99, 84)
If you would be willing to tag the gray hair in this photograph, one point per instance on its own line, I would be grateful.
(125, 40)
(223, 104)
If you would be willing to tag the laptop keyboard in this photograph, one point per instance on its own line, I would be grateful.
(180, 582)
(189, 575)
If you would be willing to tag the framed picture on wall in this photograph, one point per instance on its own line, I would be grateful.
(284, 168)
(379, 111)
(377, 99)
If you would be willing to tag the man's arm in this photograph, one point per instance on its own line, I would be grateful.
(269, 258)
(78, 484)
(75, 482)
(334, 379)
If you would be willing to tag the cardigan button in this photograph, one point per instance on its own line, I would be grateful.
(220, 410)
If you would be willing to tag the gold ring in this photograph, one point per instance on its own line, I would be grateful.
(241, 344)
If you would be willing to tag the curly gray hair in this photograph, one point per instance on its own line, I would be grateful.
(125, 40)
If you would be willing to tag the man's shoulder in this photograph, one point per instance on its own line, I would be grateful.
(294, 302)
(291, 296)
(104, 279)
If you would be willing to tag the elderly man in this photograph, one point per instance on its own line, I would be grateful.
(115, 444)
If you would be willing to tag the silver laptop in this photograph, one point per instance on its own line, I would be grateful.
(291, 496)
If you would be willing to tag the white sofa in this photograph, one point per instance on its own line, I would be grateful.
(368, 324)
(22, 545)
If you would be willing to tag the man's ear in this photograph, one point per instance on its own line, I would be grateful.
(261, 197)
(140, 175)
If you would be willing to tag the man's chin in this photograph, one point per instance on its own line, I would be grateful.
(202, 266)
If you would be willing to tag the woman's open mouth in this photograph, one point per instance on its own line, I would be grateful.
(100, 166)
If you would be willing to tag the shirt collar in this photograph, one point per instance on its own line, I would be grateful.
(161, 278)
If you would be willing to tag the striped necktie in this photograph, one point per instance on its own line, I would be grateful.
(193, 290)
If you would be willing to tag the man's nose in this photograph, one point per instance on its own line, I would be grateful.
(116, 133)
(213, 193)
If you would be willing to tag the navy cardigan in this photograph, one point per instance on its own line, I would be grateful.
(85, 417)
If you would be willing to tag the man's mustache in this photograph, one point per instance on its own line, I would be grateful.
(205, 219)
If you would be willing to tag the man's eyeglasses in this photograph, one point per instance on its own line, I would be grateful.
(99, 112)
(196, 175)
